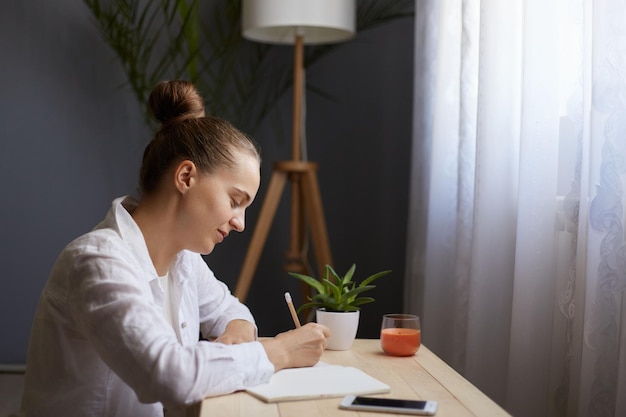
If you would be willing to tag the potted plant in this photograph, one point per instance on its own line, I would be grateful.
(338, 302)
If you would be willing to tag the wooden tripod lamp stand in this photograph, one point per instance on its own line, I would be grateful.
(294, 22)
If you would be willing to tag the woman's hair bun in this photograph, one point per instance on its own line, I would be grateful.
(174, 101)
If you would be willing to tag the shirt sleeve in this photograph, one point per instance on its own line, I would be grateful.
(217, 305)
(114, 309)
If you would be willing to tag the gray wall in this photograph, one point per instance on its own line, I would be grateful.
(71, 140)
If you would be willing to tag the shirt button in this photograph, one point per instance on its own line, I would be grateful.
(183, 325)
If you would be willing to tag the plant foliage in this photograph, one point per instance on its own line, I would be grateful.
(335, 293)
(199, 41)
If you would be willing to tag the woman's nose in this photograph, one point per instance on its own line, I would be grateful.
(238, 222)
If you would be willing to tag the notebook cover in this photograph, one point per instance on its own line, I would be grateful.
(317, 382)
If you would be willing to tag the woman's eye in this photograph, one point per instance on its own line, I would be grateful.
(235, 204)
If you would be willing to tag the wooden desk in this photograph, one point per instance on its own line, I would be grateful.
(421, 377)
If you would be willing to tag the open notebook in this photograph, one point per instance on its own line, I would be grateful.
(322, 380)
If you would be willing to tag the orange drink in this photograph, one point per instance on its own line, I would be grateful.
(400, 334)
(399, 341)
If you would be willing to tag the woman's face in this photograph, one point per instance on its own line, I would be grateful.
(216, 204)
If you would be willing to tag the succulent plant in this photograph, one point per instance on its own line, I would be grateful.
(337, 293)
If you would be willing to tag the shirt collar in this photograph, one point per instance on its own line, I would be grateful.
(120, 219)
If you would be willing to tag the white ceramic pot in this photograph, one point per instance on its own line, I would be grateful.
(343, 327)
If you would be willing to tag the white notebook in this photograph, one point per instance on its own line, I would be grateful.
(320, 381)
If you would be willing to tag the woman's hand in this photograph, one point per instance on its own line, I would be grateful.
(237, 331)
(297, 348)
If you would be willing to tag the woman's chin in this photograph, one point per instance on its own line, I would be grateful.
(206, 249)
(209, 250)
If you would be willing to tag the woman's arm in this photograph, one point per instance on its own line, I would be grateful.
(238, 331)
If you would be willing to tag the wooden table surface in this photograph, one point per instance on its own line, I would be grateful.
(422, 377)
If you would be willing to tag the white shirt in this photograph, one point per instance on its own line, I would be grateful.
(168, 310)
(100, 343)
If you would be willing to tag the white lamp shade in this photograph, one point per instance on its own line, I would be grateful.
(318, 21)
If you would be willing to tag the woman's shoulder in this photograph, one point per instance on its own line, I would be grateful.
(105, 234)
(98, 240)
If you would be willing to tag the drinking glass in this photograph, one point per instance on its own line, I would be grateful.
(400, 334)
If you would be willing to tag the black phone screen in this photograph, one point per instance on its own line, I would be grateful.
(390, 402)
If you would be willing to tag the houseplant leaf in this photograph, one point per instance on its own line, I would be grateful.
(338, 293)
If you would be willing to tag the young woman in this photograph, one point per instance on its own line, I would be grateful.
(116, 329)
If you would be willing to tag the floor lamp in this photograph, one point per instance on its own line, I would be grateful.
(296, 22)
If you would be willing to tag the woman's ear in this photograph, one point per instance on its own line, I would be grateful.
(185, 175)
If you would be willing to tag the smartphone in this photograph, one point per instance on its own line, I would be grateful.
(390, 405)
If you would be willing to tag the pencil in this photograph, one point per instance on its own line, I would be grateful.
(292, 310)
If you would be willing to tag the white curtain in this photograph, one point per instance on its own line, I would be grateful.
(516, 247)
